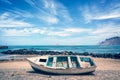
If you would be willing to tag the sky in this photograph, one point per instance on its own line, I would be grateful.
(58, 22)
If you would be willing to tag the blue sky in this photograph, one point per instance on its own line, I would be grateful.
(58, 22)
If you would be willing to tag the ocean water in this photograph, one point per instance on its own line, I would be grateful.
(79, 49)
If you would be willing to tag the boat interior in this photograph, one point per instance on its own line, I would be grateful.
(69, 62)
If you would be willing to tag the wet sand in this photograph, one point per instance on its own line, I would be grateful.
(107, 69)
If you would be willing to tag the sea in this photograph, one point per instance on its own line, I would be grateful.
(97, 49)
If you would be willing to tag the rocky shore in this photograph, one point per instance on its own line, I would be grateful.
(34, 52)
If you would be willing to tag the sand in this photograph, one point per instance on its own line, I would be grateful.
(107, 69)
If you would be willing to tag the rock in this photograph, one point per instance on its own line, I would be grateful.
(3, 47)
(34, 52)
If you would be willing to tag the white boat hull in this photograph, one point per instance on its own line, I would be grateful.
(45, 69)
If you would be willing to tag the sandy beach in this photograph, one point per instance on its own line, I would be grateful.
(107, 69)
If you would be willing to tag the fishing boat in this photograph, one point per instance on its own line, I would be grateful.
(63, 64)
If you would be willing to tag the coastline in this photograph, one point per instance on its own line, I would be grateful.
(46, 52)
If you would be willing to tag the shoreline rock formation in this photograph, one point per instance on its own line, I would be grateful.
(3, 47)
(34, 52)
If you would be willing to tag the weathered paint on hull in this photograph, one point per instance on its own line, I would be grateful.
(44, 72)
(43, 69)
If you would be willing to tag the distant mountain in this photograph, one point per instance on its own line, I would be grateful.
(111, 41)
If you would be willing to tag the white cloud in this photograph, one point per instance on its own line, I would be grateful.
(32, 31)
(100, 33)
(15, 32)
(63, 12)
(31, 3)
(58, 33)
(112, 15)
(50, 11)
(19, 12)
(50, 19)
(96, 35)
(22, 31)
(94, 12)
(37, 31)
(4, 16)
(13, 23)
(62, 32)
(67, 32)
(55, 11)
(46, 11)
(6, 20)
(107, 28)
(77, 30)
(50, 6)
(104, 31)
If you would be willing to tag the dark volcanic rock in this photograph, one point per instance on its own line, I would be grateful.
(33, 52)
(3, 47)
(111, 41)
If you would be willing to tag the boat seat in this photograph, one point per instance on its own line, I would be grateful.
(59, 64)
(85, 64)
(65, 65)
(74, 64)
(62, 64)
